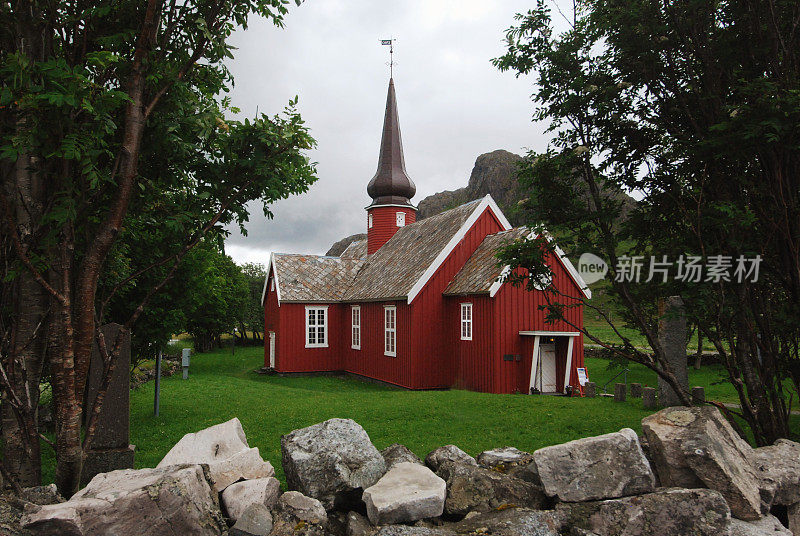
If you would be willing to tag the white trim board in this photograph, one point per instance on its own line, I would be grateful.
(550, 333)
(391, 205)
(568, 367)
(273, 269)
(486, 202)
(576, 277)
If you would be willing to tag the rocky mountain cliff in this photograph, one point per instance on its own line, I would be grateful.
(494, 173)
(338, 248)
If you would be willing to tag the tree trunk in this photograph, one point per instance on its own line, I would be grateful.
(25, 360)
(698, 357)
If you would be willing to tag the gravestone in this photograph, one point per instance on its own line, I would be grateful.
(110, 448)
(185, 358)
(590, 389)
(619, 392)
(672, 337)
(698, 396)
(649, 398)
(636, 390)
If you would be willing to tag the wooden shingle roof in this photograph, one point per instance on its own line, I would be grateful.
(392, 271)
(314, 278)
(356, 250)
(481, 270)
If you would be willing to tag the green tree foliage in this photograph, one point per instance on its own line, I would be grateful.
(118, 157)
(694, 105)
(253, 317)
(218, 295)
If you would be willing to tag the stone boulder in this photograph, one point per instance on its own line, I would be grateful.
(673, 512)
(333, 461)
(166, 501)
(504, 457)
(298, 506)
(476, 489)
(358, 525)
(793, 515)
(447, 453)
(603, 467)
(780, 464)
(397, 453)
(722, 467)
(256, 520)
(405, 530)
(766, 526)
(223, 447)
(297, 515)
(237, 497)
(42, 495)
(407, 493)
(666, 431)
(511, 461)
(512, 522)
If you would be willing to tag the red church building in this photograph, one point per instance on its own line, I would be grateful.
(421, 304)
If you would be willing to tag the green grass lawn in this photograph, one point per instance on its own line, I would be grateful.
(712, 378)
(221, 386)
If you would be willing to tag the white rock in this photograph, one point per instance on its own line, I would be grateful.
(256, 520)
(602, 467)
(407, 493)
(504, 456)
(238, 496)
(448, 453)
(297, 505)
(332, 461)
(223, 447)
(780, 464)
(145, 502)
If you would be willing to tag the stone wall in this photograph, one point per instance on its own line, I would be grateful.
(689, 474)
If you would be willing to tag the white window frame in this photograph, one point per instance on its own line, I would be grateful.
(316, 309)
(390, 330)
(355, 327)
(272, 284)
(369, 221)
(400, 219)
(466, 321)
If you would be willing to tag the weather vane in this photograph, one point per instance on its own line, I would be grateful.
(390, 42)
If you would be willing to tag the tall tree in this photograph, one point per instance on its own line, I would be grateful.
(111, 113)
(253, 315)
(694, 105)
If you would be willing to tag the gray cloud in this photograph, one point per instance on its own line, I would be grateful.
(453, 104)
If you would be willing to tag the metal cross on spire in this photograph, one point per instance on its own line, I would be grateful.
(390, 42)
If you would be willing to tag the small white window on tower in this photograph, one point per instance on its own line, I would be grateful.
(272, 285)
(401, 219)
(369, 221)
(466, 321)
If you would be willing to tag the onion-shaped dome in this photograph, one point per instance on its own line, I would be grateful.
(391, 185)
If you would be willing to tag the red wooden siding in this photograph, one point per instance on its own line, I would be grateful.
(294, 356)
(384, 225)
(517, 309)
(474, 363)
(370, 360)
(432, 349)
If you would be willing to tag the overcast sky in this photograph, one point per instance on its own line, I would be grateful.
(453, 104)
